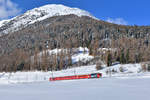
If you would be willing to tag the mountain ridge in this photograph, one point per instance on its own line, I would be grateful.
(39, 14)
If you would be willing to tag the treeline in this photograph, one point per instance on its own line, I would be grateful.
(19, 60)
(47, 61)
(124, 50)
(127, 50)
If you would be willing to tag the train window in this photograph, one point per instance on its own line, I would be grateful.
(93, 75)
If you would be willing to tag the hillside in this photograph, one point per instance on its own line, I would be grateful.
(50, 28)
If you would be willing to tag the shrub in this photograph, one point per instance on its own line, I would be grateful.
(144, 67)
(121, 69)
(114, 71)
(107, 72)
(148, 67)
(99, 66)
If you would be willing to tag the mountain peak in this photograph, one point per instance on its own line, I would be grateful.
(51, 10)
(39, 14)
(58, 9)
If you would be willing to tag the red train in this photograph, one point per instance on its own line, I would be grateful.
(89, 76)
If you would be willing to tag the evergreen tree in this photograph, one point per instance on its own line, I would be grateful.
(109, 59)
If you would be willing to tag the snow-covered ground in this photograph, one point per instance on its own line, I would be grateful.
(130, 71)
(82, 54)
(132, 84)
(94, 89)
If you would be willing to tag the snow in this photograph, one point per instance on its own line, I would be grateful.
(131, 71)
(81, 57)
(39, 76)
(127, 68)
(82, 54)
(3, 22)
(94, 89)
(41, 13)
(58, 10)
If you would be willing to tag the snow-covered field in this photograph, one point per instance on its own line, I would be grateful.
(130, 71)
(132, 84)
(94, 89)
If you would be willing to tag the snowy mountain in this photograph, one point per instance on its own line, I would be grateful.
(39, 14)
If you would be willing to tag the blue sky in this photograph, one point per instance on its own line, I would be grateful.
(118, 11)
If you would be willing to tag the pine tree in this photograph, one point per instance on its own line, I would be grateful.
(109, 59)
